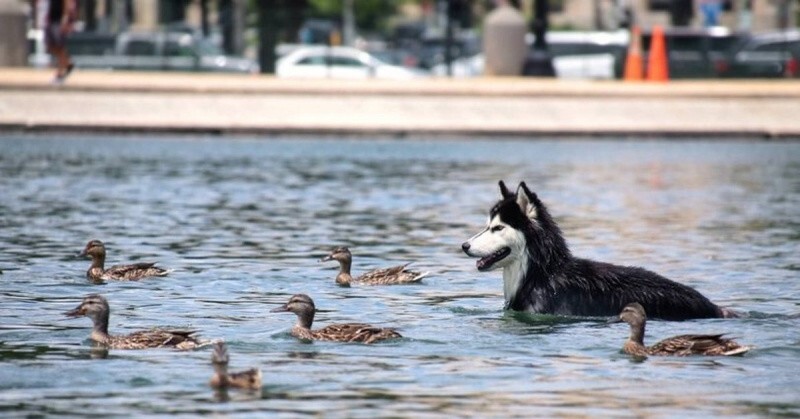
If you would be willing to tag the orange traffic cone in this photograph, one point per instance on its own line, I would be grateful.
(633, 62)
(657, 69)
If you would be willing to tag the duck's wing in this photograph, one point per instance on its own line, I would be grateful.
(339, 330)
(392, 275)
(245, 379)
(716, 345)
(158, 338)
(355, 332)
(134, 271)
(676, 345)
(699, 345)
(376, 334)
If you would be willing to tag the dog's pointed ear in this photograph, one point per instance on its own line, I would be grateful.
(527, 201)
(504, 192)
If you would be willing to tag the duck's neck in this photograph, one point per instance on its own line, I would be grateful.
(344, 278)
(637, 334)
(302, 329)
(100, 330)
(344, 266)
(98, 261)
(304, 320)
(221, 371)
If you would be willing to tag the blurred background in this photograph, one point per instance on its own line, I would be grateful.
(399, 39)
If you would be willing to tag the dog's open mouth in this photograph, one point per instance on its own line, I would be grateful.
(486, 263)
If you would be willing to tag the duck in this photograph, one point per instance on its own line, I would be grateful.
(303, 306)
(95, 307)
(387, 276)
(683, 345)
(134, 272)
(249, 379)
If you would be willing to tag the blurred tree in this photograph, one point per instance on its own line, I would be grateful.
(288, 16)
(371, 15)
(168, 11)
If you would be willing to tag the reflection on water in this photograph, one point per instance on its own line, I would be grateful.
(244, 221)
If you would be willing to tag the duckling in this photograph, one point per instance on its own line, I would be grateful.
(97, 251)
(682, 345)
(303, 307)
(387, 276)
(95, 307)
(249, 379)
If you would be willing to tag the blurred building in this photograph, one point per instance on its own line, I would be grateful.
(755, 15)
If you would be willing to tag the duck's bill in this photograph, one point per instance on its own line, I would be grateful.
(615, 319)
(280, 309)
(326, 258)
(82, 254)
(76, 312)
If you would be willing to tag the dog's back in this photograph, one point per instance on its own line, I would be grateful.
(589, 288)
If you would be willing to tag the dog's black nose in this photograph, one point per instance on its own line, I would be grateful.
(465, 246)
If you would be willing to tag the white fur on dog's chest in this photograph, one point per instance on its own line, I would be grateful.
(513, 275)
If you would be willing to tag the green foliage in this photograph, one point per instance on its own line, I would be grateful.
(371, 15)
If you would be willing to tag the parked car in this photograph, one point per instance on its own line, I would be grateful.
(338, 62)
(587, 55)
(576, 55)
(766, 55)
(431, 50)
(165, 51)
(693, 53)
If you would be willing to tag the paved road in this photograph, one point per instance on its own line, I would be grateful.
(207, 103)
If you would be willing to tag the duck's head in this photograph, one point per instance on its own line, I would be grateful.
(633, 314)
(93, 306)
(94, 249)
(341, 254)
(301, 305)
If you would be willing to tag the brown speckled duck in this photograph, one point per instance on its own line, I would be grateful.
(303, 307)
(95, 307)
(387, 276)
(97, 251)
(682, 345)
(249, 379)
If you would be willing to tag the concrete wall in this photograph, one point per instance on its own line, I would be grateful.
(13, 33)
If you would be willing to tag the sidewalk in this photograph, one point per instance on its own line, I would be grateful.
(121, 102)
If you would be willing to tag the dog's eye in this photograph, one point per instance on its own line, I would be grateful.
(495, 229)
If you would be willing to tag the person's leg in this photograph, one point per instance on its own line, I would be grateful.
(57, 46)
(62, 60)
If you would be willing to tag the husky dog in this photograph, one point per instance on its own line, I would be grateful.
(541, 275)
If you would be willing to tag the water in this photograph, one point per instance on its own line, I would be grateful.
(244, 221)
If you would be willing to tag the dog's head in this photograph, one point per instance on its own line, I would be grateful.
(504, 238)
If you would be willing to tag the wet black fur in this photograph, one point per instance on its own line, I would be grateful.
(558, 283)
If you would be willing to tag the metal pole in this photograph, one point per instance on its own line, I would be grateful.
(349, 23)
(539, 63)
(448, 37)
(204, 18)
(267, 34)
